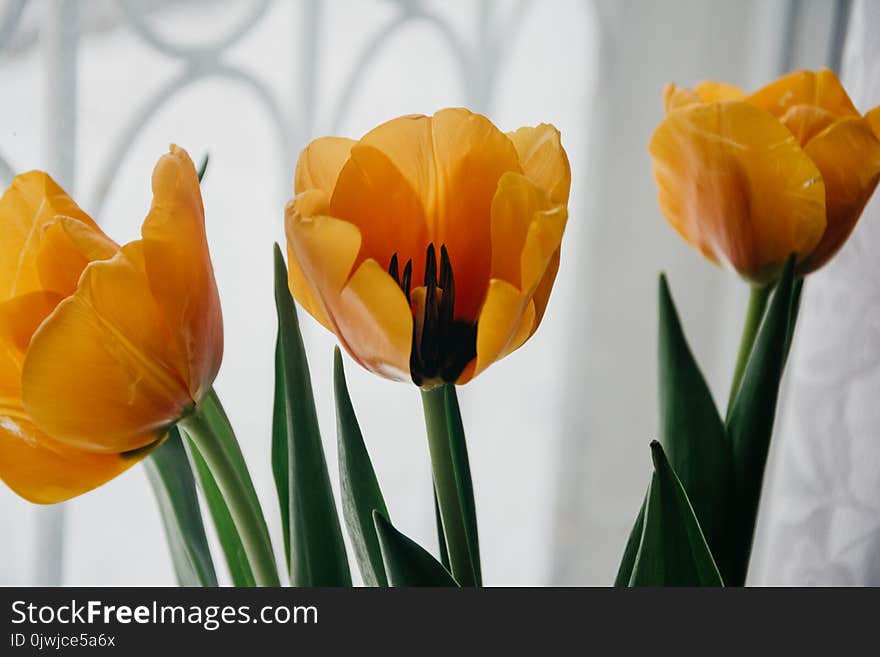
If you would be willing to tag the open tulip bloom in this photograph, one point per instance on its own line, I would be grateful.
(430, 247)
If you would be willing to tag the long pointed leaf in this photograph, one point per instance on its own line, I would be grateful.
(691, 429)
(317, 551)
(462, 470)
(673, 550)
(173, 484)
(406, 562)
(360, 487)
(280, 467)
(233, 549)
(631, 551)
(441, 537)
(750, 425)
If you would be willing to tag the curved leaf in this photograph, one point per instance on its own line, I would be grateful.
(406, 562)
(317, 551)
(673, 550)
(175, 488)
(751, 418)
(360, 488)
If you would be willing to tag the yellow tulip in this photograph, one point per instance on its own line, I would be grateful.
(430, 246)
(102, 348)
(750, 180)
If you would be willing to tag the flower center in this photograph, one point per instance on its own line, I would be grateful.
(442, 346)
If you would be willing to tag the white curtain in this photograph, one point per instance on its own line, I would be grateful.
(820, 524)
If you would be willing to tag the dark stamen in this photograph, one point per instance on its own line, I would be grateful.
(392, 269)
(444, 346)
(431, 267)
(447, 283)
(407, 278)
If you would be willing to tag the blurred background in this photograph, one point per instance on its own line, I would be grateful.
(93, 91)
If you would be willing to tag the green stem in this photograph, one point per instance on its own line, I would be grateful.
(210, 430)
(754, 314)
(434, 404)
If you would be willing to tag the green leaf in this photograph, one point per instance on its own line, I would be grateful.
(441, 539)
(463, 481)
(750, 422)
(796, 292)
(672, 551)
(175, 488)
(691, 430)
(624, 571)
(406, 562)
(203, 167)
(233, 549)
(317, 551)
(360, 488)
(280, 468)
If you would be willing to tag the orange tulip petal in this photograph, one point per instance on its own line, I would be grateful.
(453, 161)
(372, 194)
(873, 118)
(45, 474)
(325, 250)
(527, 228)
(806, 121)
(543, 159)
(68, 245)
(821, 89)
(705, 92)
(734, 182)
(30, 203)
(302, 291)
(375, 321)
(541, 296)
(97, 375)
(179, 271)
(675, 97)
(848, 155)
(715, 92)
(499, 322)
(319, 164)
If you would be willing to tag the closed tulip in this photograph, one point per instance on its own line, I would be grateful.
(751, 179)
(103, 347)
(429, 246)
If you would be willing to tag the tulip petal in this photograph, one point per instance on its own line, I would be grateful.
(375, 321)
(527, 228)
(543, 159)
(499, 322)
(806, 121)
(21, 316)
(541, 297)
(848, 155)
(372, 194)
(453, 161)
(179, 271)
(319, 164)
(322, 254)
(734, 182)
(705, 92)
(44, 472)
(873, 118)
(98, 374)
(67, 246)
(30, 203)
(821, 89)
(34, 466)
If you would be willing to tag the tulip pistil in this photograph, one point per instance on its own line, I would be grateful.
(442, 346)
